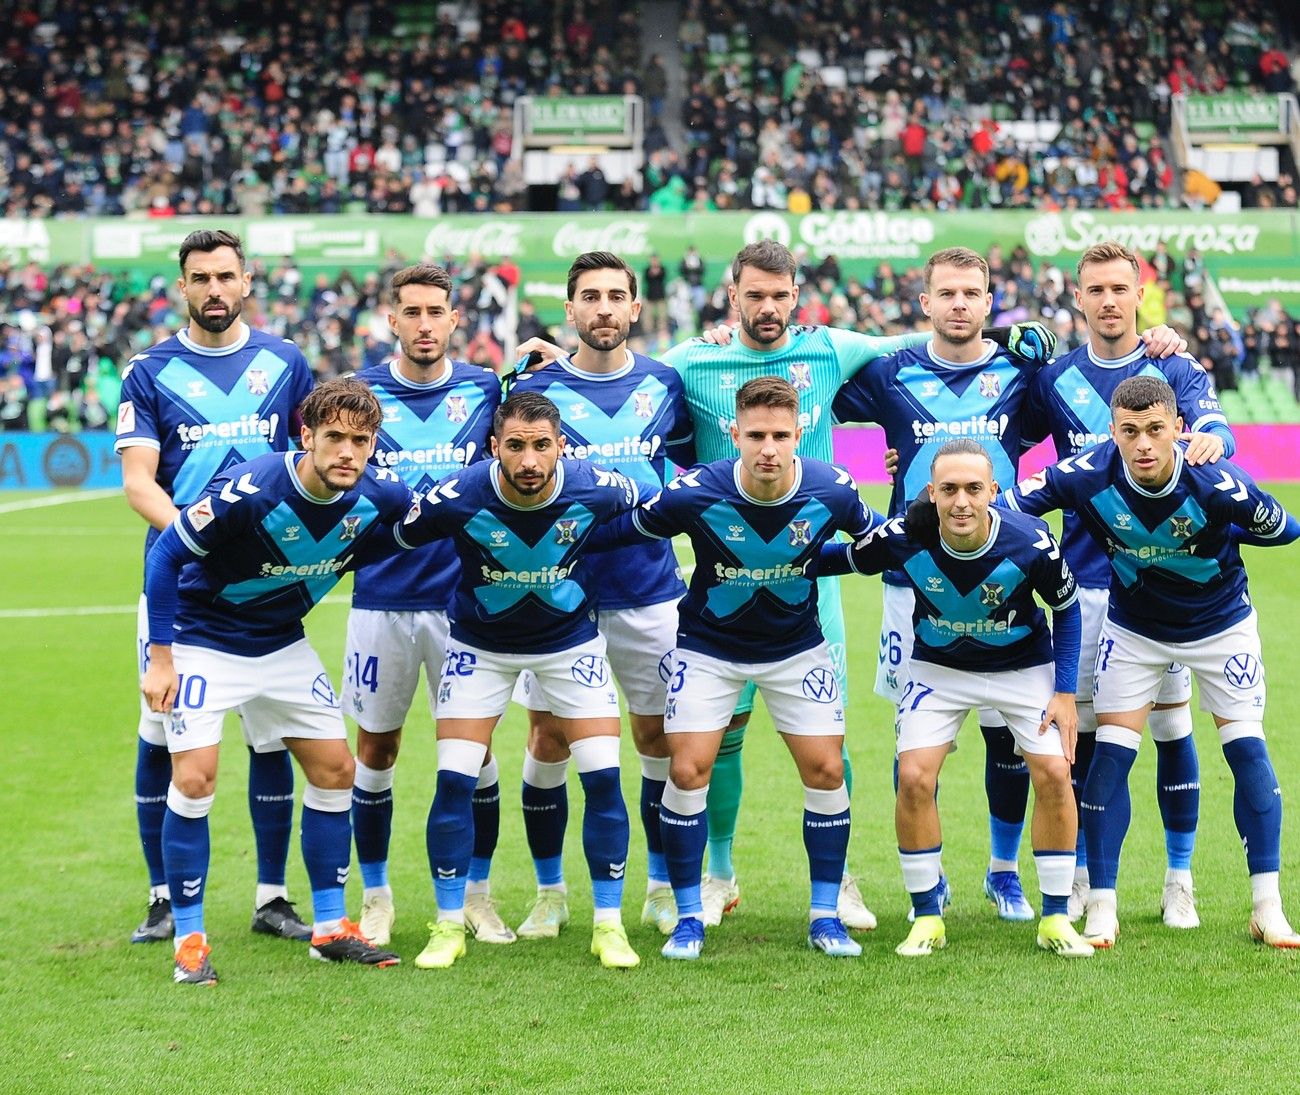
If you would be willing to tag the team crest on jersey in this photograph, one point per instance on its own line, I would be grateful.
(351, 526)
(800, 533)
(801, 376)
(200, 514)
(727, 381)
(1180, 528)
(991, 594)
(644, 405)
(195, 390)
(990, 385)
(457, 408)
(498, 537)
(566, 532)
(290, 534)
(258, 382)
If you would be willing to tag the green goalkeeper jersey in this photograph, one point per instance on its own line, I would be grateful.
(816, 360)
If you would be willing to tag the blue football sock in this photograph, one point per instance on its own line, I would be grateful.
(153, 772)
(186, 852)
(1006, 785)
(826, 825)
(449, 837)
(1084, 748)
(1256, 803)
(372, 822)
(605, 835)
(270, 805)
(652, 791)
(546, 816)
(1178, 791)
(326, 840)
(728, 783)
(685, 826)
(486, 805)
(1107, 808)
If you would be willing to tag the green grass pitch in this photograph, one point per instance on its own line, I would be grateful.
(82, 1010)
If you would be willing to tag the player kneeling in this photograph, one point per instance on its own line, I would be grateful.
(981, 641)
(265, 543)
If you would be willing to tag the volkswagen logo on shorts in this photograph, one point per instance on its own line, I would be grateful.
(819, 686)
(323, 692)
(589, 670)
(666, 667)
(1242, 671)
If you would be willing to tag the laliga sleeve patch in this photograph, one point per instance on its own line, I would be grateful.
(200, 515)
(413, 513)
(125, 416)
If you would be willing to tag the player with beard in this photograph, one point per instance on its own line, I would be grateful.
(627, 413)
(437, 418)
(214, 394)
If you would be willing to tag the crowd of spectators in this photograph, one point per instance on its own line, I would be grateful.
(120, 108)
(67, 332)
(117, 107)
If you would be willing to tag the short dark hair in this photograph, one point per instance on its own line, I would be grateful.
(1138, 393)
(598, 260)
(767, 391)
(206, 240)
(527, 407)
(422, 273)
(961, 446)
(337, 398)
(766, 255)
(961, 257)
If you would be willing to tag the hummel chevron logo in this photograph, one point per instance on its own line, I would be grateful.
(1082, 462)
(244, 486)
(440, 491)
(686, 479)
(343, 875)
(446, 872)
(1228, 483)
(616, 870)
(1044, 543)
(190, 887)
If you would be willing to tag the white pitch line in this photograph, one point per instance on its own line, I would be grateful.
(58, 500)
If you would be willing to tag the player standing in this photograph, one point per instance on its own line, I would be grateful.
(437, 418)
(626, 413)
(518, 523)
(212, 395)
(228, 585)
(1178, 594)
(750, 615)
(981, 641)
(1070, 400)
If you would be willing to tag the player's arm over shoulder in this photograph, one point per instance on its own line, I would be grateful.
(854, 350)
(1049, 573)
(1233, 498)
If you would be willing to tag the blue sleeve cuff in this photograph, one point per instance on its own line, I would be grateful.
(834, 558)
(1067, 635)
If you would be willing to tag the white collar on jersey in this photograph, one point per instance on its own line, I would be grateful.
(407, 382)
(1168, 487)
(798, 482)
(495, 475)
(291, 462)
(1139, 352)
(995, 523)
(567, 364)
(219, 351)
(990, 349)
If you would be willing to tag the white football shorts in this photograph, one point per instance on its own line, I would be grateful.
(381, 670)
(1176, 682)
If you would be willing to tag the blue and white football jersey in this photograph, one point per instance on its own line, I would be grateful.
(924, 402)
(753, 593)
(1177, 573)
(429, 431)
(1069, 401)
(523, 587)
(205, 410)
(267, 551)
(633, 421)
(976, 611)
